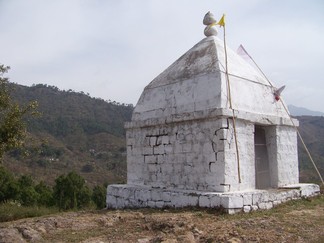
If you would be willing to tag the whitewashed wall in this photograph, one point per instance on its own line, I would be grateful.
(283, 155)
(186, 155)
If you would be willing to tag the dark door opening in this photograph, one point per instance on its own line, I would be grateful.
(262, 172)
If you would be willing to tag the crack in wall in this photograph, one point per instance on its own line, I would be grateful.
(222, 128)
(210, 164)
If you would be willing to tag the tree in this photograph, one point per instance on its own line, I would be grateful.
(12, 127)
(99, 196)
(8, 186)
(27, 193)
(45, 194)
(70, 192)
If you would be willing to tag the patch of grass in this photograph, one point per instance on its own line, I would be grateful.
(281, 209)
(12, 211)
(308, 203)
(78, 235)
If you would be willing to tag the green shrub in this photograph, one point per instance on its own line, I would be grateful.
(28, 196)
(45, 195)
(99, 196)
(84, 197)
(70, 192)
(8, 186)
(27, 193)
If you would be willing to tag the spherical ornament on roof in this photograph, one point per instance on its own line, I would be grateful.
(210, 30)
(210, 21)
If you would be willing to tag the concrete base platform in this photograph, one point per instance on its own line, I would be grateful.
(135, 196)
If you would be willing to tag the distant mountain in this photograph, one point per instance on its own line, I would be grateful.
(300, 111)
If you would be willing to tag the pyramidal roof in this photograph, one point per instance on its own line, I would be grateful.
(197, 82)
(207, 56)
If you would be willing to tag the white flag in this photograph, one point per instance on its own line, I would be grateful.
(242, 52)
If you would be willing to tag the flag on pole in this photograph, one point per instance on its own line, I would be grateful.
(221, 22)
(242, 52)
(246, 56)
(278, 92)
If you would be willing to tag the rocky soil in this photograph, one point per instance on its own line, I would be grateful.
(292, 222)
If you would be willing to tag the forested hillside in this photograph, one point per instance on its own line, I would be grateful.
(75, 132)
(312, 130)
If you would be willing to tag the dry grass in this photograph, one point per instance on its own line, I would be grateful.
(299, 220)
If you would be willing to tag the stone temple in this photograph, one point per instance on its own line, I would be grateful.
(183, 150)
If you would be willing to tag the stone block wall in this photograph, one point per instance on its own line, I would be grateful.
(283, 155)
(132, 196)
(184, 155)
(245, 140)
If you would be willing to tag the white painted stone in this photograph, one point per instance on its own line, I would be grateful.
(293, 194)
(150, 197)
(156, 195)
(247, 209)
(153, 141)
(281, 196)
(121, 202)
(159, 204)
(232, 201)
(312, 190)
(127, 193)
(150, 159)
(272, 196)
(136, 151)
(166, 196)
(111, 201)
(193, 201)
(159, 150)
(151, 204)
(132, 203)
(198, 67)
(204, 201)
(181, 147)
(264, 197)
(144, 195)
(254, 207)
(165, 140)
(233, 210)
(147, 150)
(215, 201)
(265, 205)
(179, 200)
(168, 149)
(247, 199)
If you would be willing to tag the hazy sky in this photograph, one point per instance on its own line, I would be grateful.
(113, 48)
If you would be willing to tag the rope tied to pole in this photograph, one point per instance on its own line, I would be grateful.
(286, 110)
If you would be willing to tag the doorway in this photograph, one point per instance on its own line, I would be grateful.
(262, 171)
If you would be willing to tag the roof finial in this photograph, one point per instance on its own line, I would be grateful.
(210, 21)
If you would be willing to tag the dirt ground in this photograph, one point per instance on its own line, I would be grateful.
(297, 221)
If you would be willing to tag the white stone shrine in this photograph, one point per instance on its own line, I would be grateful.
(183, 150)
